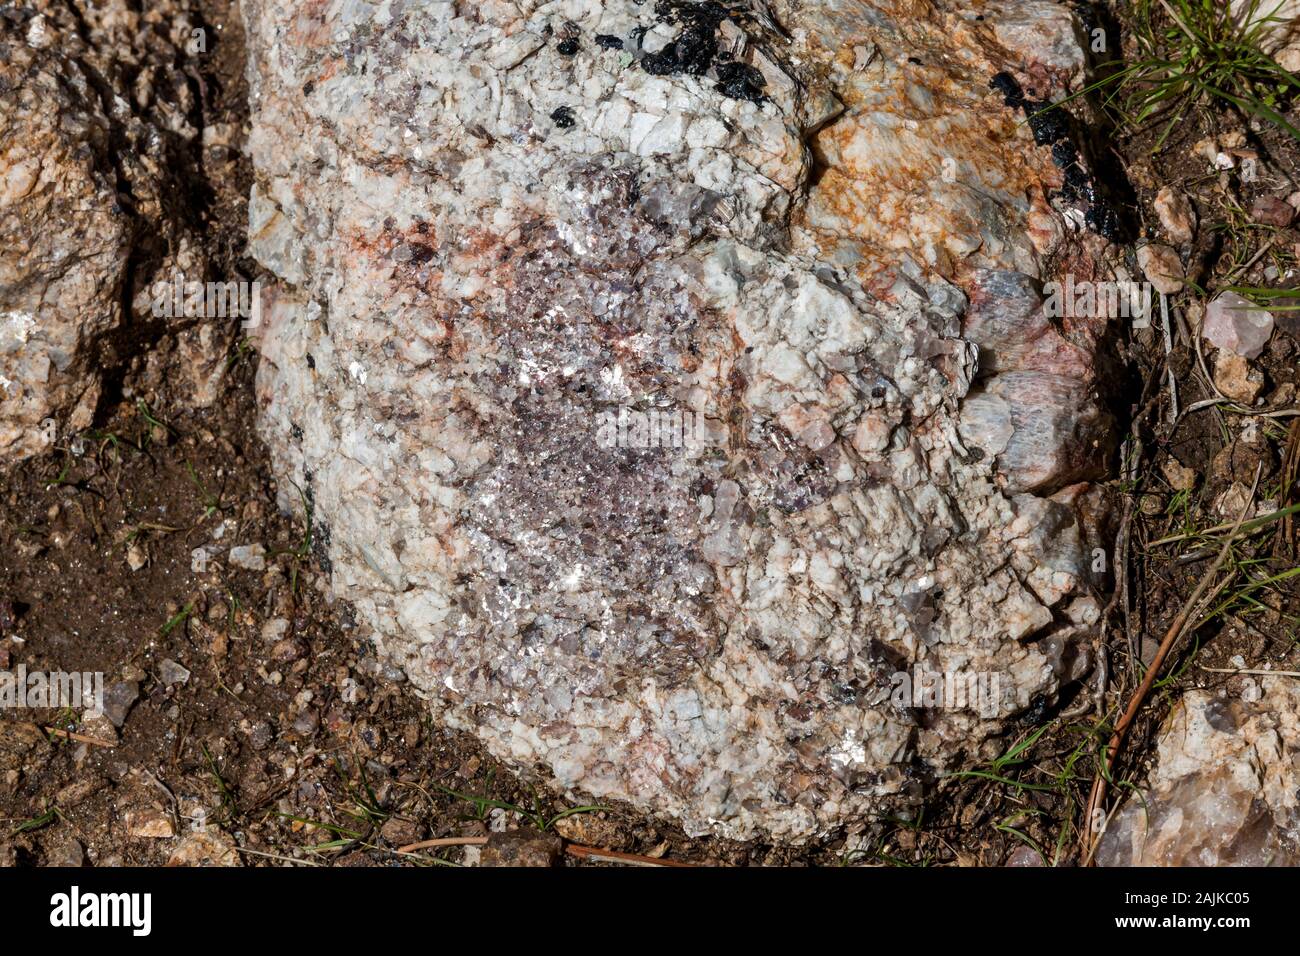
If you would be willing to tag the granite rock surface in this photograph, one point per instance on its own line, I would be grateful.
(672, 384)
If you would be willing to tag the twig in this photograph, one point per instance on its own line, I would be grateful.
(1132, 453)
(1179, 20)
(442, 841)
(1245, 267)
(1256, 671)
(1169, 362)
(1123, 548)
(1101, 669)
(573, 849)
(614, 856)
(276, 856)
(1176, 630)
(1238, 409)
(79, 738)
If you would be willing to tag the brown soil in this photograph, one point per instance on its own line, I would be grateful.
(266, 734)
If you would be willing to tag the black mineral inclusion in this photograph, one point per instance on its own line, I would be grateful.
(694, 51)
(1051, 127)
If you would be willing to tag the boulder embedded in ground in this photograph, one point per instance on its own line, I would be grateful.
(654, 394)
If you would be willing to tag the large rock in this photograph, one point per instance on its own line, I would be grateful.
(1226, 787)
(509, 232)
(95, 108)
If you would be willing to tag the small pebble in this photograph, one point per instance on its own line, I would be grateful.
(170, 672)
(1162, 267)
(119, 698)
(1268, 211)
(250, 557)
(1237, 325)
(1237, 378)
(1176, 215)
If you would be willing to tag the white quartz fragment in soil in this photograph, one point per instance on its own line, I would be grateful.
(1237, 325)
(1224, 788)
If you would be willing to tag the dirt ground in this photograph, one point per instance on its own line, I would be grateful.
(259, 729)
(286, 739)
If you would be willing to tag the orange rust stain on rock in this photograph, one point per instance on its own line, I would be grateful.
(926, 159)
(906, 195)
(309, 27)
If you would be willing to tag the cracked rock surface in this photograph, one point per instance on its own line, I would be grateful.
(95, 126)
(506, 230)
